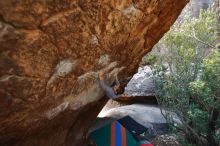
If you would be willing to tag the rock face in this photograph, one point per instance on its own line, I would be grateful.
(142, 113)
(51, 52)
(194, 7)
(140, 88)
(141, 83)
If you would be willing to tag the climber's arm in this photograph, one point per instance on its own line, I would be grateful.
(121, 95)
(108, 90)
(104, 86)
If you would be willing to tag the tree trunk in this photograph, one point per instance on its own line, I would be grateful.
(211, 127)
(217, 8)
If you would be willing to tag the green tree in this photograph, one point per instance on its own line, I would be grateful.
(187, 78)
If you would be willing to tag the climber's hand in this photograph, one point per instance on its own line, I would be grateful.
(125, 95)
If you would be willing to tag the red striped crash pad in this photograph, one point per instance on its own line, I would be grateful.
(115, 134)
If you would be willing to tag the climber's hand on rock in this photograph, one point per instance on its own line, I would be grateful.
(125, 95)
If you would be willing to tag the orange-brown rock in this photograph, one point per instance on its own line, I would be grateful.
(51, 52)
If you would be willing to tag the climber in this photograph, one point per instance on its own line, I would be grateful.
(115, 90)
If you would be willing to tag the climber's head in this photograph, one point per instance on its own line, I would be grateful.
(118, 87)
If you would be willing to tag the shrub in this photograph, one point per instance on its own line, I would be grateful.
(149, 59)
(187, 78)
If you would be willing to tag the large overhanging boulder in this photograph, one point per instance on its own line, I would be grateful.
(51, 52)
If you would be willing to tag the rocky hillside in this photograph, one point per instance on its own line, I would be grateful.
(51, 52)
